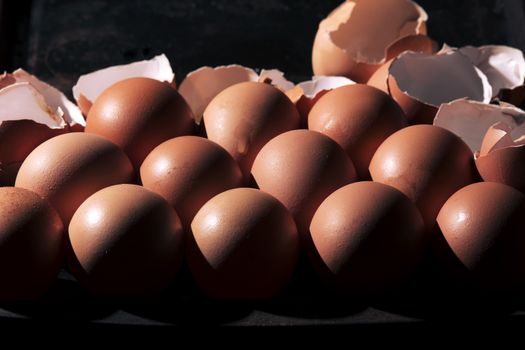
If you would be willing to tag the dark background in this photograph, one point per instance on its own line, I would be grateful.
(59, 39)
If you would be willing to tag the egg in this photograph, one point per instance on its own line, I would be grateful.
(425, 162)
(138, 114)
(479, 237)
(244, 116)
(69, 168)
(126, 242)
(31, 244)
(359, 118)
(244, 245)
(368, 237)
(187, 171)
(301, 168)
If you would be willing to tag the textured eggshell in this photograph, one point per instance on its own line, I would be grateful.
(138, 114)
(415, 43)
(306, 94)
(243, 117)
(420, 82)
(501, 159)
(244, 245)
(359, 118)
(89, 86)
(31, 244)
(301, 168)
(354, 39)
(426, 163)
(187, 171)
(480, 236)
(126, 243)
(69, 168)
(369, 238)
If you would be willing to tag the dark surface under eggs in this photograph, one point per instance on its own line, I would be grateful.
(59, 40)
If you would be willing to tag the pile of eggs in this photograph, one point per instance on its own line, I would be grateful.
(239, 178)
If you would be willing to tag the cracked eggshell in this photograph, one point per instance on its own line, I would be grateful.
(31, 244)
(202, 85)
(91, 85)
(126, 242)
(425, 162)
(504, 66)
(187, 171)
(69, 168)
(479, 237)
(471, 120)
(415, 43)
(243, 245)
(32, 112)
(502, 158)
(356, 251)
(353, 40)
(138, 114)
(301, 168)
(421, 82)
(305, 94)
(359, 118)
(243, 117)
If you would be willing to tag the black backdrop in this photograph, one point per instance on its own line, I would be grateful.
(60, 39)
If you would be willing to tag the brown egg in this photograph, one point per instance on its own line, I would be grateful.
(126, 242)
(426, 163)
(359, 118)
(244, 244)
(69, 168)
(138, 114)
(301, 168)
(243, 117)
(369, 238)
(187, 171)
(31, 244)
(482, 226)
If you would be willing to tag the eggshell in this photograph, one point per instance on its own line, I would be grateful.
(126, 242)
(359, 118)
(31, 244)
(69, 168)
(502, 159)
(32, 112)
(354, 39)
(244, 245)
(187, 171)
(90, 86)
(369, 238)
(301, 168)
(420, 82)
(243, 117)
(138, 114)
(426, 163)
(415, 43)
(480, 228)
(306, 94)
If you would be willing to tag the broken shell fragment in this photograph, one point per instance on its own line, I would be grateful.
(471, 120)
(502, 158)
(504, 66)
(305, 94)
(421, 82)
(353, 40)
(91, 85)
(202, 85)
(32, 112)
(415, 43)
